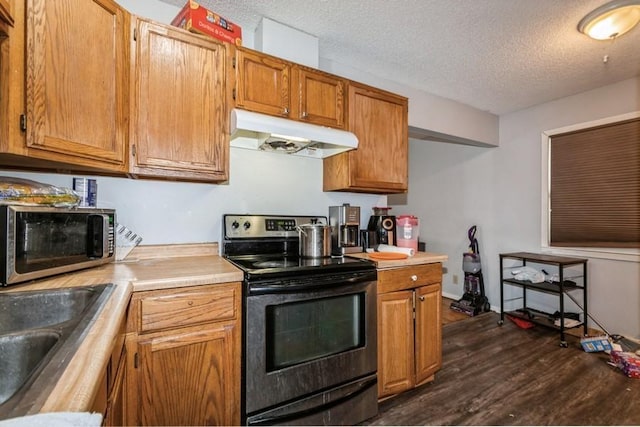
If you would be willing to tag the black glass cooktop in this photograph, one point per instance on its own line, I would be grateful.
(270, 265)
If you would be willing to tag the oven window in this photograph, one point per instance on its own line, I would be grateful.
(303, 331)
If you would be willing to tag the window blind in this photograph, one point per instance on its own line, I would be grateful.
(595, 186)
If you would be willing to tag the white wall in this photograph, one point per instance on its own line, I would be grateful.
(452, 187)
(156, 10)
(476, 125)
(428, 111)
(173, 212)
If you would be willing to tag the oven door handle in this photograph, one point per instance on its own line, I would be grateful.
(278, 420)
(318, 283)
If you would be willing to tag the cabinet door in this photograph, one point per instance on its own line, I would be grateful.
(395, 343)
(189, 377)
(428, 339)
(77, 82)
(7, 85)
(115, 411)
(99, 404)
(179, 108)
(263, 83)
(321, 98)
(380, 164)
(6, 19)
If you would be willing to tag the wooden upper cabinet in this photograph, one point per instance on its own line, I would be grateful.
(179, 109)
(262, 83)
(270, 85)
(77, 82)
(321, 97)
(380, 164)
(6, 19)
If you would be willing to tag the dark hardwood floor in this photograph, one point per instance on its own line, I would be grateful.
(448, 315)
(504, 375)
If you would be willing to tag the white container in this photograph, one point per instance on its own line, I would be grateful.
(408, 231)
(87, 189)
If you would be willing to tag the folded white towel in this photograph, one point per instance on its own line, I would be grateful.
(390, 248)
(55, 419)
(568, 323)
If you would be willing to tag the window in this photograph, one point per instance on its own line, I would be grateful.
(594, 186)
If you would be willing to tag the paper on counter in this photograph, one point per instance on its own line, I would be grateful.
(390, 248)
(55, 419)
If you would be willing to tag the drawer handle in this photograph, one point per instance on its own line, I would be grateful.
(414, 278)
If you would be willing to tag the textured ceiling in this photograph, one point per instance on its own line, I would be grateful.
(495, 55)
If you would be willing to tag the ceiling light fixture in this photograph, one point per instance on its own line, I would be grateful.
(611, 20)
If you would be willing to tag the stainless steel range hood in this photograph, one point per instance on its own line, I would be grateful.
(262, 132)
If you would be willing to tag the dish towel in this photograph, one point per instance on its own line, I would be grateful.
(56, 419)
(390, 248)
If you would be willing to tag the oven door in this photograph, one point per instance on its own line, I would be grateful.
(302, 341)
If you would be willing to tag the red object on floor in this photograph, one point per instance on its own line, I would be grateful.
(524, 324)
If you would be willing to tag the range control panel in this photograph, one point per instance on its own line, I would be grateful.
(264, 226)
(280, 224)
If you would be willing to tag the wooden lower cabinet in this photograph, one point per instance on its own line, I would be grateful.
(109, 399)
(409, 327)
(183, 350)
(115, 411)
(428, 332)
(395, 343)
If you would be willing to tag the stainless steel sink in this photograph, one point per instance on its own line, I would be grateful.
(39, 333)
(21, 353)
(30, 310)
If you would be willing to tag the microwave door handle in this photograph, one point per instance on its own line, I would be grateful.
(97, 249)
(105, 236)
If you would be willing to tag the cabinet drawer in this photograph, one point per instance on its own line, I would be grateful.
(184, 308)
(409, 277)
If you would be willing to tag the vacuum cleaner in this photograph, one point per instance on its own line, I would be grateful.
(473, 300)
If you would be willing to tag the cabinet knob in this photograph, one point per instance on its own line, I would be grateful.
(285, 112)
(305, 114)
(422, 298)
(414, 278)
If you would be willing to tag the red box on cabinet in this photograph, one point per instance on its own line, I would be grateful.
(198, 19)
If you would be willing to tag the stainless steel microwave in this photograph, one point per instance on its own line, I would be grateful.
(42, 241)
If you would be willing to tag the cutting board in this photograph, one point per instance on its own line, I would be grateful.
(387, 255)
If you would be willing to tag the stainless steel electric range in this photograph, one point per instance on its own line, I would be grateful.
(309, 327)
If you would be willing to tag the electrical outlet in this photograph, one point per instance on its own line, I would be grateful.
(455, 279)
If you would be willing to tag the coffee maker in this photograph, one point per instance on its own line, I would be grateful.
(345, 229)
(384, 225)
